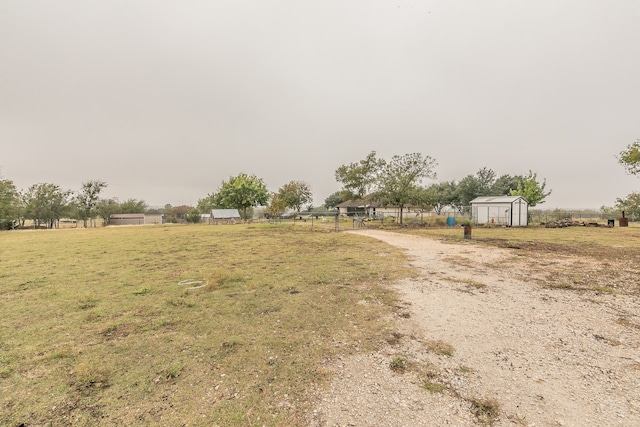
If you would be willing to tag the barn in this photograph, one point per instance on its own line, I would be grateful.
(135, 219)
(229, 216)
(511, 211)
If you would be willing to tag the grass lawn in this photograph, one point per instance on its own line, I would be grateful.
(183, 325)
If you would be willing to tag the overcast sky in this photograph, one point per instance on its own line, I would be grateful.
(165, 99)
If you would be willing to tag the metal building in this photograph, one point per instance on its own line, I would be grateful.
(511, 211)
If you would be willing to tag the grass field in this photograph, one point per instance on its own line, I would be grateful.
(183, 325)
(224, 325)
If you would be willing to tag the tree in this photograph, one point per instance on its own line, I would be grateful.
(441, 195)
(630, 158)
(532, 190)
(335, 199)
(277, 205)
(240, 192)
(46, 203)
(630, 205)
(131, 206)
(9, 204)
(107, 207)
(207, 203)
(295, 194)
(193, 216)
(178, 213)
(505, 184)
(87, 199)
(399, 179)
(358, 179)
(478, 185)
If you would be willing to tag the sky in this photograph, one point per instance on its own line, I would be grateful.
(164, 100)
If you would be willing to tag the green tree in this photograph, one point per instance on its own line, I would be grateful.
(206, 204)
(505, 184)
(277, 206)
(178, 213)
(335, 199)
(87, 199)
(240, 192)
(107, 207)
(295, 194)
(630, 205)
(441, 195)
(532, 190)
(132, 206)
(399, 179)
(359, 179)
(9, 204)
(193, 216)
(46, 203)
(630, 158)
(478, 185)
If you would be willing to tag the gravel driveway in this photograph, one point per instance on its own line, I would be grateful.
(523, 354)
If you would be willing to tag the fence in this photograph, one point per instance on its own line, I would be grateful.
(537, 216)
(414, 218)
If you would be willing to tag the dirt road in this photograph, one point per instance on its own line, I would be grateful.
(523, 354)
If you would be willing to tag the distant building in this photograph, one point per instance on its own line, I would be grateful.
(357, 207)
(227, 216)
(512, 211)
(135, 219)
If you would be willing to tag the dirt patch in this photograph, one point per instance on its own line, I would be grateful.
(520, 351)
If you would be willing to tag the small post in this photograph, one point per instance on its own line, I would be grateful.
(467, 232)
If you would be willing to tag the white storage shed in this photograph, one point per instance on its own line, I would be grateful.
(511, 211)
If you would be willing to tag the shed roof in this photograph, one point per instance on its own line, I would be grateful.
(225, 213)
(127, 216)
(358, 204)
(496, 199)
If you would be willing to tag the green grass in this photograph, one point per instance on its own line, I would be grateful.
(96, 328)
(433, 387)
(440, 347)
(398, 364)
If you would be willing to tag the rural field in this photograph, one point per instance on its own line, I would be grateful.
(286, 325)
(97, 329)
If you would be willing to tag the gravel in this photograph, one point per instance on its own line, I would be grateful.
(544, 357)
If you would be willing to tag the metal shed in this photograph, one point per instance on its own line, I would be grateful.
(228, 215)
(135, 219)
(511, 211)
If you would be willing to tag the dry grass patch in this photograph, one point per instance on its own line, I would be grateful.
(605, 260)
(440, 347)
(486, 410)
(96, 324)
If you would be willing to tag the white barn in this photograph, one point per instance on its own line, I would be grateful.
(511, 211)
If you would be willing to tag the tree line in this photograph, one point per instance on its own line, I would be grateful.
(397, 182)
(45, 204)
